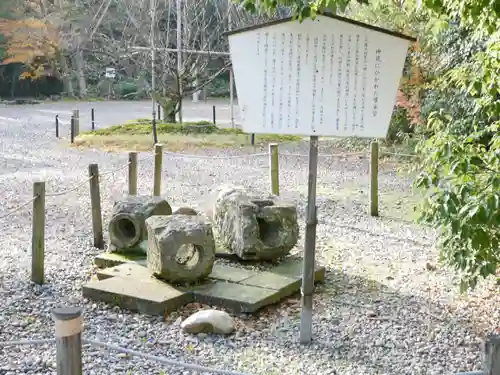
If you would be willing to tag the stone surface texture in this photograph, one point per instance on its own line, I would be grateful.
(184, 211)
(229, 287)
(181, 248)
(127, 222)
(209, 321)
(146, 296)
(253, 227)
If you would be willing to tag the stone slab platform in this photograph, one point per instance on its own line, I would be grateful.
(111, 259)
(146, 296)
(131, 286)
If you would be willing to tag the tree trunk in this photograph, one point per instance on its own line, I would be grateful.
(178, 105)
(80, 71)
(170, 117)
(66, 77)
(15, 79)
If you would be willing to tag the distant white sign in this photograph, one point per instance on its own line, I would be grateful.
(327, 77)
(110, 72)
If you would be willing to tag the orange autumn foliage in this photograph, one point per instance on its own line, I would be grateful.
(31, 42)
(410, 97)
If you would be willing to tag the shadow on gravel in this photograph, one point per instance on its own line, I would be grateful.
(362, 326)
(384, 235)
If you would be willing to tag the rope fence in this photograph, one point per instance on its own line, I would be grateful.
(69, 343)
(94, 177)
(18, 208)
(38, 200)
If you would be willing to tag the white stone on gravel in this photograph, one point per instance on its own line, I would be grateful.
(422, 325)
(209, 321)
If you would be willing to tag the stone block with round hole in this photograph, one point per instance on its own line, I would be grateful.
(181, 248)
(252, 227)
(127, 228)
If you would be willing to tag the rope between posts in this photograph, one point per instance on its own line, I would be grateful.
(84, 182)
(64, 192)
(18, 208)
(114, 170)
(126, 351)
(398, 154)
(327, 155)
(163, 360)
(148, 157)
(174, 154)
(27, 342)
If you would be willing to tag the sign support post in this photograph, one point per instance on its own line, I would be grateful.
(330, 76)
(308, 265)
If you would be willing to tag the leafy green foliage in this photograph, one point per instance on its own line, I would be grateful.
(454, 49)
(461, 156)
(464, 180)
(461, 167)
(400, 125)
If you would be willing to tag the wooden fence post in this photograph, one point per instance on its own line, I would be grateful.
(132, 173)
(92, 118)
(72, 129)
(491, 364)
(213, 114)
(274, 168)
(95, 201)
(57, 126)
(157, 172)
(68, 322)
(76, 116)
(38, 234)
(374, 179)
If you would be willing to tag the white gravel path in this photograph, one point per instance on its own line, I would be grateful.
(383, 310)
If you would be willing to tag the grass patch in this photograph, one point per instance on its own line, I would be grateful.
(82, 99)
(137, 136)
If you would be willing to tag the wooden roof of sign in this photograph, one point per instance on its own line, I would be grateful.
(327, 15)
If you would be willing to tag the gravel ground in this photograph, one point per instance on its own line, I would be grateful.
(384, 309)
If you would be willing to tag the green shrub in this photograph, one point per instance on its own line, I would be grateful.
(400, 126)
(219, 87)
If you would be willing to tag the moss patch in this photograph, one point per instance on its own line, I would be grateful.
(137, 135)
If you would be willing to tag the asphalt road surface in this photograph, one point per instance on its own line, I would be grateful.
(111, 113)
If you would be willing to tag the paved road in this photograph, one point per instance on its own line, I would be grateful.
(110, 113)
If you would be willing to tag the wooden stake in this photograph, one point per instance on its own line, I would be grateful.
(68, 330)
(307, 289)
(132, 173)
(158, 168)
(72, 129)
(76, 116)
(374, 179)
(492, 355)
(95, 200)
(153, 125)
(38, 234)
(274, 168)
